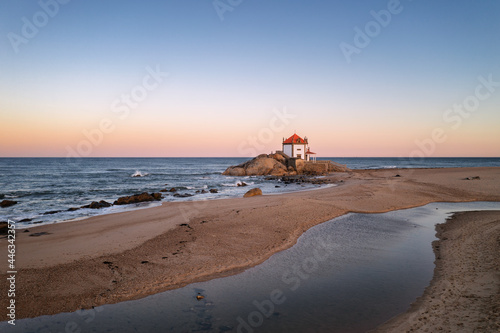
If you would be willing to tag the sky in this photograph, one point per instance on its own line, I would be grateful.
(409, 78)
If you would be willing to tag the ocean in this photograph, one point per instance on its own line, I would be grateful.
(45, 188)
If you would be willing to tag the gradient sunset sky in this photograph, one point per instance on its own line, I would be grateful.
(423, 82)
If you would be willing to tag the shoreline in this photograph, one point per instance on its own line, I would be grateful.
(179, 243)
(463, 294)
(152, 204)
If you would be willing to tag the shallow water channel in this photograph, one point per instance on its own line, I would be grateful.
(349, 274)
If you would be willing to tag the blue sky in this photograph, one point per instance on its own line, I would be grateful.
(227, 76)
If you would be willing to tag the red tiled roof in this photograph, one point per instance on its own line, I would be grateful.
(294, 139)
(309, 152)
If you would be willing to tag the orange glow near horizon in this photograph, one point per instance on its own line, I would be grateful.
(53, 140)
(176, 134)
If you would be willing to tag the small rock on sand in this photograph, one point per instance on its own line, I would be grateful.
(253, 192)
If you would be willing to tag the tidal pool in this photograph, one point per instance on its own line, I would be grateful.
(349, 274)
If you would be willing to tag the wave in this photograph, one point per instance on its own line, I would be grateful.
(236, 184)
(139, 174)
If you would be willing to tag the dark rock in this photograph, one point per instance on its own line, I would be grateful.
(173, 189)
(184, 195)
(397, 175)
(72, 209)
(214, 190)
(157, 196)
(242, 184)
(144, 262)
(37, 234)
(164, 190)
(7, 203)
(277, 186)
(253, 192)
(104, 204)
(136, 198)
(26, 220)
(26, 230)
(51, 212)
(4, 228)
(473, 178)
(2, 196)
(97, 205)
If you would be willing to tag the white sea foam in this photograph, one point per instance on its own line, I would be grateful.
(236, 184)
(139, 174)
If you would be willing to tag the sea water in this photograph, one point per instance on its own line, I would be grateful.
(45, 188)
(347, 275)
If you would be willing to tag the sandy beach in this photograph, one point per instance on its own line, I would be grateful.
(464, 293)
(117, 257)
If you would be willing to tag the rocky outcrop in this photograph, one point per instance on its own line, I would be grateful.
(279, 164)
(253, 192)
(136, 198)
(262, 165)
(156, 196)
(7, 203)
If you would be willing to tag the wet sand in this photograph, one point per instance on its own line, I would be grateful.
(464, 294)
(112, 258)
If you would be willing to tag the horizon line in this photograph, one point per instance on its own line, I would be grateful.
(85, 157)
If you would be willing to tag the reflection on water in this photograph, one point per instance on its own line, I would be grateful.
(347, 275)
